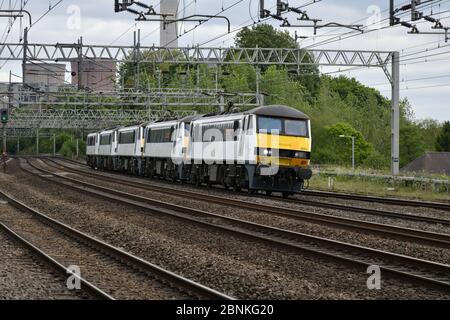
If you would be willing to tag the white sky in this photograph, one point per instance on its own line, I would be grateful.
(98, 24)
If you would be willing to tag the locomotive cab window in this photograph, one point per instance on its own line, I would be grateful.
(296, 128)
(270, 125)
(288, 127)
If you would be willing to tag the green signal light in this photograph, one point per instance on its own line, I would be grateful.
(4, 116)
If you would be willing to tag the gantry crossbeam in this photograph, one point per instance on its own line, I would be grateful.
(86, 118)
(196, 55)
(168, 97)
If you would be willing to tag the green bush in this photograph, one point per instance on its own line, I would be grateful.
(376, 161)
(338, 150)
(69, 148)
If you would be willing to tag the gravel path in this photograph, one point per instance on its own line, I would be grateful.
(240, 268)
(361, 238)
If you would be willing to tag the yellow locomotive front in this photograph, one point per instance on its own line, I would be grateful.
(283, 150)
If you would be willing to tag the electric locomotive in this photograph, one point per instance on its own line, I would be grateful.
(267, 148)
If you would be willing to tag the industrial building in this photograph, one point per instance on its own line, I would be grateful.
(95, 75)
(44, 74)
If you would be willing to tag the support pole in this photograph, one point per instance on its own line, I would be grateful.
(78, 149)
(25, 49)
(395, 115)
(37, 141)
(198, 77)
(391, 13)
(159, 80)
(54, 145)
(137, 56)
(353, 153)
(261, 99)
(217, 78)
(258, 94)
(4, 137)
(222, 103)
(79, 63)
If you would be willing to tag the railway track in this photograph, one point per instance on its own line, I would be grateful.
(27, 266)
(374, 199)
(408, 268)
(336, 206)
(372, 212)
(118, 273)
(412, 235)
(347, 196)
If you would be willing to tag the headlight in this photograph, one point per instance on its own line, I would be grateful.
(267, 152)
(300, 154)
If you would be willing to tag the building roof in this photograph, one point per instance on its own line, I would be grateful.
(433, 162)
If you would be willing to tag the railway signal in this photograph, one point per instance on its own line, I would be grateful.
(4, 116)
(4, 121)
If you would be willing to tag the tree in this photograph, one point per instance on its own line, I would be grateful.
(430, 131)
(443, 139)
(151, 75)
(337, 150)
(266, 36)
(411, 143)
(347, 87)
(69, 147)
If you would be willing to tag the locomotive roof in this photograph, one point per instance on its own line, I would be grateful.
(190, 118)
(278, 111)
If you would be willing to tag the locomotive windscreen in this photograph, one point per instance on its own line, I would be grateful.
(298, 128)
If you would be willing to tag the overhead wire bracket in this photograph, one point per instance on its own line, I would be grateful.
(415, 16)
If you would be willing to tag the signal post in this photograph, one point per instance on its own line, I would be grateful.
(4, 117)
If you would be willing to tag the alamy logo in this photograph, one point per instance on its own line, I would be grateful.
(374, 21)
(74, 280)
(374, 280)
(214, 146)
(74, 20)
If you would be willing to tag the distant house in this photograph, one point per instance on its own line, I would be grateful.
(432, 162)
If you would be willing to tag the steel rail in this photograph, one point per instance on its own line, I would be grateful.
(138, 263)
(431, 273)
(409, 234)
(55, 265)
(368, 211)
(367, 198)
